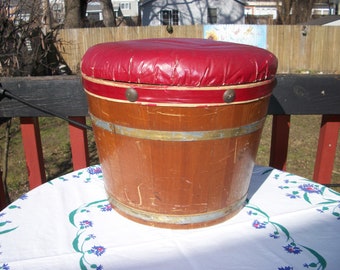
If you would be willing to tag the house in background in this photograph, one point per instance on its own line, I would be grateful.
(266, 11)
(174, 12)
(330, 20)
(126, 12)
(261, 12)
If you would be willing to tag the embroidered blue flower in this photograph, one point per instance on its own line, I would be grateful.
(310, 188)
(274, 235)
(293, 195)
(106, 208)
(91, 236)
(97, 250)
(23, 197)
(85, 224)
(285, 268)
(259, 225)
(293, 249)
(5, 266)
(99, 267)
(94, 170)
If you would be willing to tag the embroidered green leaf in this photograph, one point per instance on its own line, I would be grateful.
(321, 259)
(75, 243)
(322, 190)
(333, 191)
(7, 231)
(258, 210)
(283, 229)
(13, 206)
(336, 214)
(3, 223)
(95, 202)
(82, 265)
(305, 196)
(328, 202)
(71, 217)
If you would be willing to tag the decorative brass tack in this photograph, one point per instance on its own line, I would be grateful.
(131, 94)
(229, 96)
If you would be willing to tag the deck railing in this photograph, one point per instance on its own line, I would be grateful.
(64, 95)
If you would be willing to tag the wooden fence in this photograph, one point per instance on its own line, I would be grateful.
(300, 49)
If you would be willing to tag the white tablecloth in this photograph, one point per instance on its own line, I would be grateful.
(67, 223)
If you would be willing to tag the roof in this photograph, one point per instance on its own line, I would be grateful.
(325, 20)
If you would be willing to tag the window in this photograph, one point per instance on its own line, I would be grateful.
(169, 17)
(175, 17)
(212, 15)
(93, 16)
(125, 6)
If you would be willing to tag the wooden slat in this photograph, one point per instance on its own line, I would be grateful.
(328, 139)
(306, 94)
(279, 142)
(59, 94)
(314, 51)
(33, 151)
(293, 94)
(79, 144)
(76, 41)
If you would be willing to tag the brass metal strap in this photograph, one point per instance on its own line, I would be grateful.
(163, 135)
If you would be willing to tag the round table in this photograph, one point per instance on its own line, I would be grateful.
(288, 223)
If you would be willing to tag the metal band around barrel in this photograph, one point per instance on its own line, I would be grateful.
(162, 135)
(177, 219)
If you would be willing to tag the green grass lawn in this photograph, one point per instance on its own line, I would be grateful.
(56, 149)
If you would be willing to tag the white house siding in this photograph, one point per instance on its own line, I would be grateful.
(193, 12)
(128, 8)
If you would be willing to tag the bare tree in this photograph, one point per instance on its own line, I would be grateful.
(75, 13)
(46, 20)
(294, 11)
(109, 19)
(27, 41)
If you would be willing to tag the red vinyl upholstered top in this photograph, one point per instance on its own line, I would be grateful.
(179, 62)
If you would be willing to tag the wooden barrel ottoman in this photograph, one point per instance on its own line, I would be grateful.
(177, 124)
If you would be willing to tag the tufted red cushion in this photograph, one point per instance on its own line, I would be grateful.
(179, 62)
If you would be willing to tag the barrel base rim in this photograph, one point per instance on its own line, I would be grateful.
(177, 221)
